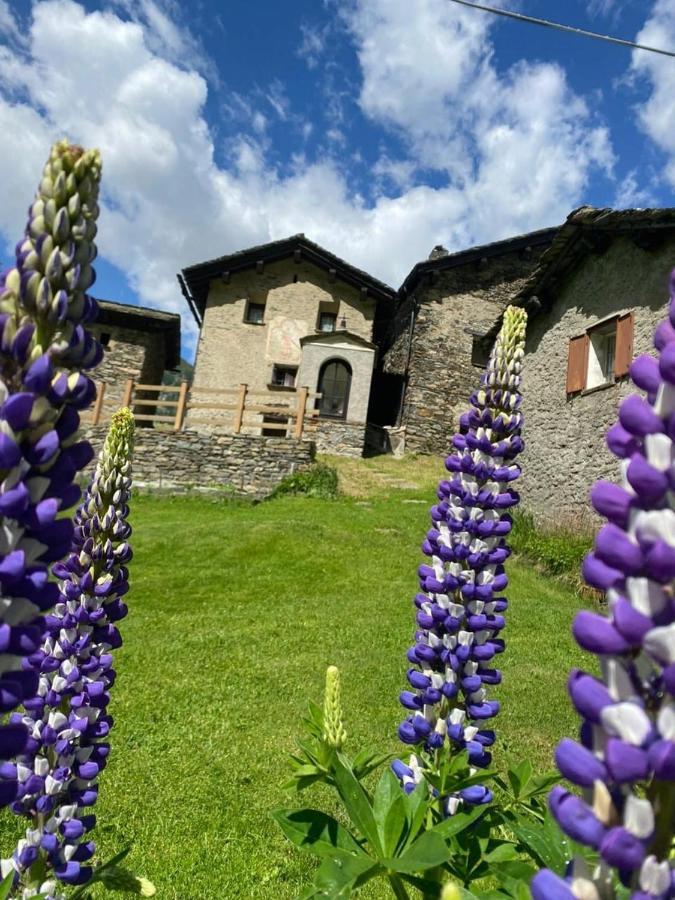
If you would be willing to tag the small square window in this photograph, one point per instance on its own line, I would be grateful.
(480, 352)
(255, 313)
(327, 322)
(104, 339)
(284, 376)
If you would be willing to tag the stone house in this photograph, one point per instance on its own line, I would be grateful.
(593, 303)
(290, 314)
(138, 343)
(431, 350)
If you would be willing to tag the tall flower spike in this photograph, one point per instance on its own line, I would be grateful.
(68, 718)
(460, 604)
(625, 760)
(333, 729)
(41, 392)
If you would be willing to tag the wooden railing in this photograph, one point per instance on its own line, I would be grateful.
(231, 409)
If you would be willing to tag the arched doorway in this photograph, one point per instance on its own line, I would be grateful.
(335, 378)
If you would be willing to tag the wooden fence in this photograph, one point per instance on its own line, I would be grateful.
(283, 414)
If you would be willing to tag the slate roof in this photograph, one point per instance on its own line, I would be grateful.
(475, 254)
(586, 230)
(142, 318)
(194, 280)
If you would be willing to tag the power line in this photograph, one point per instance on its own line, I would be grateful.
(548, 24)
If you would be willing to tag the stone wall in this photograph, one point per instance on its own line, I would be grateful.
(246, 465)
(340, 438)
(564, 436)
(128, 354)
(441, 376)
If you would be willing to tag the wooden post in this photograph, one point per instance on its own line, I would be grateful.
(98, 404)
(241, 404)
(300, 409)
(128, 391)
(180, 409)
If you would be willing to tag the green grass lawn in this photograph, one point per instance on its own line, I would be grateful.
(235, 612)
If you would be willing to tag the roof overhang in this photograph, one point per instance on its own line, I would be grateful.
(194, 280)
(335, 337)
(144, 319)
(587, 230)
(429, 268)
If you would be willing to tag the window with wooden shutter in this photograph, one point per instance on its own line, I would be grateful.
(577, 363)
(624, 344)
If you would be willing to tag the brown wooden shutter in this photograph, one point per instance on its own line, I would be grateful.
(624, 344)
(577, 364)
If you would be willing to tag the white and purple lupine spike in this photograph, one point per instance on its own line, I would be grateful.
(67, 718)
(41, 392)
(460, 605)
(625, 759)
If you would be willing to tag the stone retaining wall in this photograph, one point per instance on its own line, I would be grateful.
(247, 465)
(340, 438)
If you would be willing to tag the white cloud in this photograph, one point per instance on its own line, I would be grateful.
(516, 147)
(657, 115)
(631, 194)
(312, 44)
(606, 9)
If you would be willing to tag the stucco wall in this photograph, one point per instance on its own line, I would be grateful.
(441, 375)
(565, 449)
(361, 359)
(231, 351)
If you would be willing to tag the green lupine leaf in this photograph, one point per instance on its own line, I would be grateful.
(315, 832)
(416, 806)
(543, 846)
(357, 803)
(456, 824)
(338, 878)
(427, 852)
(389, 812)
(503, 852)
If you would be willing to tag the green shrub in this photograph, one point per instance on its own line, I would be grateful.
(559, 551)
(318, 481)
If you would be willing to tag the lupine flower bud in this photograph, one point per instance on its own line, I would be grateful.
(41, 393)
(450, 892)
(67, 716)
(460, 603)
(334, 733)
(625, 763)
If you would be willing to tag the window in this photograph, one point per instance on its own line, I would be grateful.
(255, 313)
(600, 355)
(104, 338)
(335, 378)
(480, 352)
(284, 376)
(327, 321)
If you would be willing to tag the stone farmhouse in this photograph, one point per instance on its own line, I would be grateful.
(290, 314)
(395, 367)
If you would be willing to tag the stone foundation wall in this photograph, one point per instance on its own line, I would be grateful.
(340, 438)
(248, 465)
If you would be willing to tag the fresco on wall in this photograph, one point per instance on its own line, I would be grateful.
(283, 340)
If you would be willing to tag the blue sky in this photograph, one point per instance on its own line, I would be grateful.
(377, 127)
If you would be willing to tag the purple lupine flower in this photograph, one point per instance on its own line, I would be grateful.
(43, 345)
(67, 719)
(460, 605)
(625, 759)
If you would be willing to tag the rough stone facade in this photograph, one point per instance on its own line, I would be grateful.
(340, 438)
(232, 351)
(462, 300)
(565, 452)
(128, 354)
(243, 464)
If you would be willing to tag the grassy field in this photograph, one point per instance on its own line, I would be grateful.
(235, 612)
